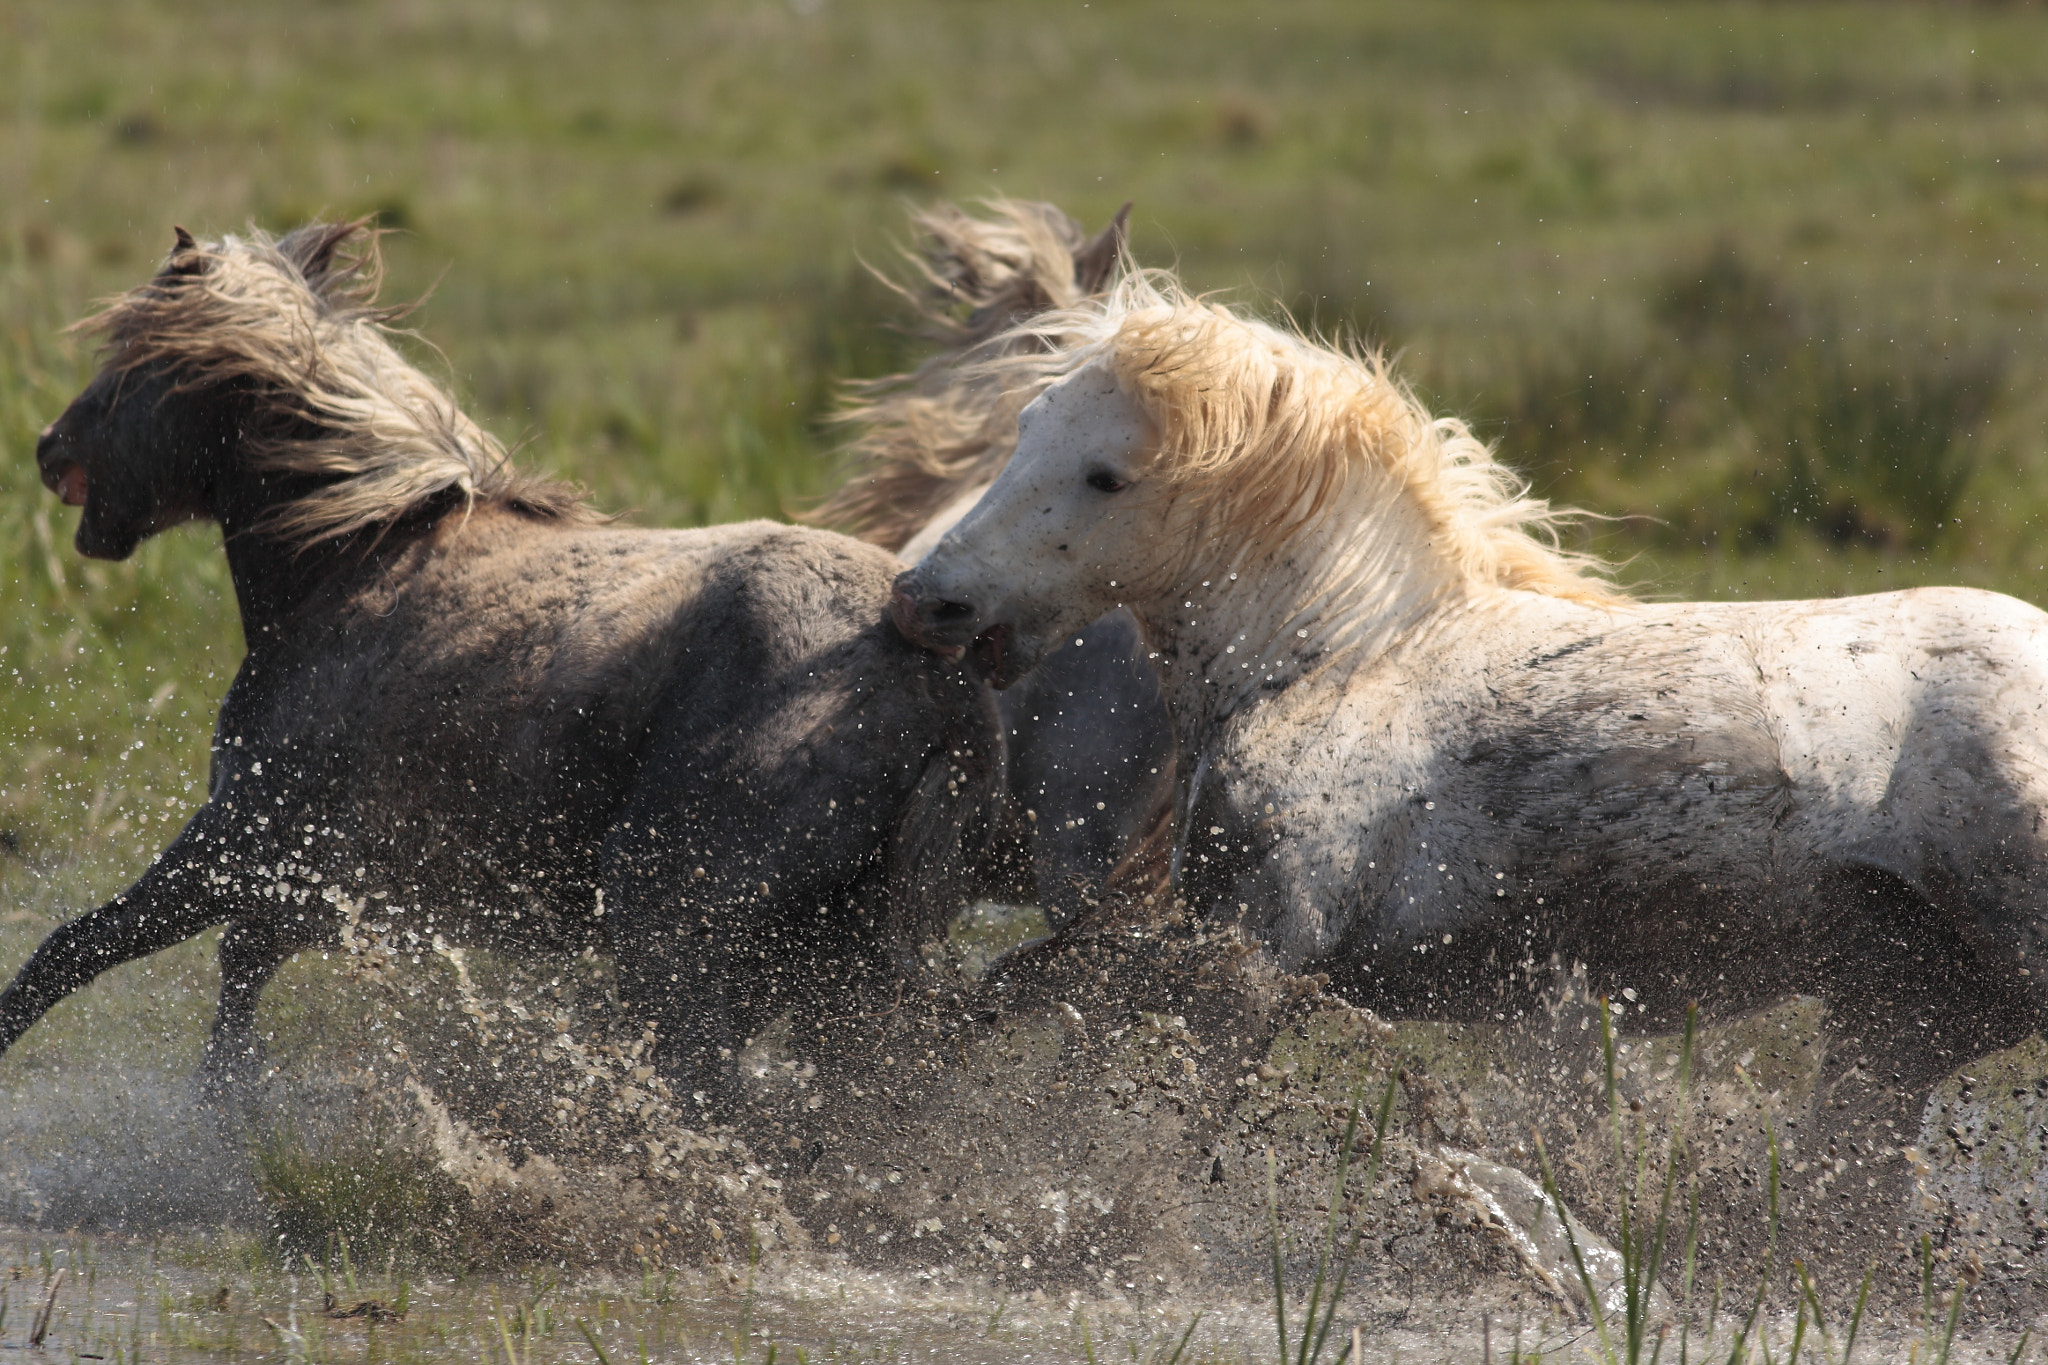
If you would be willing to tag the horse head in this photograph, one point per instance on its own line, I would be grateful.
(253, 381)
(137, 452)
(1176, 455)
(1058, 539)
(148, 442)
(987, 288)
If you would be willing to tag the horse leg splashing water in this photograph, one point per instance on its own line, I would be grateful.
(1091, 745)
(469, 707)
(1433, 754)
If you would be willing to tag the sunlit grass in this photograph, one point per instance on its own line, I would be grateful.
(644, 228)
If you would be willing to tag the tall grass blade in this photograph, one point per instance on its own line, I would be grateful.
(2020, 1349)
(1381, 1121)
(1811, 1296)
(1315, 1293)
(1955, 1313)
(1740, 1352)
(590, 1338)
(1279, 1267)
(1652, 1266)
(1594, 1306)
(1631, 1190)
(1185, 1338)
(1856, 1317)
(512, 1356)
(1926, 1281)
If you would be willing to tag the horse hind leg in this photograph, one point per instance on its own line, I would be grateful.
(1911, 1000)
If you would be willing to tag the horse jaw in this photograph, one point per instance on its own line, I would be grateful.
(994, 656)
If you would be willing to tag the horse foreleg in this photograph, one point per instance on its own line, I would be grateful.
(251, 951)
(677, 977)
(175, 899)
(711, 943)
(1091, 758)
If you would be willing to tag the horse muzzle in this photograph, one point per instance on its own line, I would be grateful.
(924, 618)
(953, 629)
(61, 474)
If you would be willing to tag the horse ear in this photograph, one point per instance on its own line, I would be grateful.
(1096, 260)
(186, 257)
(316, 245)
(336, 260)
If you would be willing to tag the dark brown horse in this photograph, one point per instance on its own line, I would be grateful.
(470, 705)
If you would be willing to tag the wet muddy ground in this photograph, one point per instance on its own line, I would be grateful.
(1070, 1158)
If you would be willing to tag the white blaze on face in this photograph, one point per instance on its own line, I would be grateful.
(1064, 519)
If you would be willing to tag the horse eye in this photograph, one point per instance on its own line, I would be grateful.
(1102, 481)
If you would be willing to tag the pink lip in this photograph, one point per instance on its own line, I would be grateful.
(903, 611)
(71, 485)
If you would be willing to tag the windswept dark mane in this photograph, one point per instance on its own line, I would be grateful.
(928, 436)
(294, 323)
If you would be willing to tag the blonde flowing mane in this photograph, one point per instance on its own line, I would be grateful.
(927, 437)
(293, 323)
(1261, 427)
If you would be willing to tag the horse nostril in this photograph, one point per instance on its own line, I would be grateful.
(927, 619)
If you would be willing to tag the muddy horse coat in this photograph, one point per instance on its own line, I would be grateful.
(1429, 753)
(469, 705)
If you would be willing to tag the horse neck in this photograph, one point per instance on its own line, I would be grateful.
(273, 575)
(1350, 584)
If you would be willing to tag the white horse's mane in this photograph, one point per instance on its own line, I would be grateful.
(926, 437)
(1262, 427)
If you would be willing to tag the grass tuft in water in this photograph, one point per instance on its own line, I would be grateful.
(1315, 1330)
(377, 1199)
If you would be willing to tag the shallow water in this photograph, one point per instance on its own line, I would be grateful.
(191, 1298)
(1070, 1173)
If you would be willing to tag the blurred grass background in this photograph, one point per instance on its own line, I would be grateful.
(1762, 281)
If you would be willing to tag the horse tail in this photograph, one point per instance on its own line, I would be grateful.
(926, 437)
(956, 837)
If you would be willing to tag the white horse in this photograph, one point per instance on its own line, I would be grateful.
(1429, 752)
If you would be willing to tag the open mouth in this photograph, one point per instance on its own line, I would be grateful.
(992, 656)
(68, 482)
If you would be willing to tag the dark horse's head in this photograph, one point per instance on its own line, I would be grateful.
(253, 380)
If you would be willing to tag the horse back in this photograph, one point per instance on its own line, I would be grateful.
(502, 689)
(1650, 756)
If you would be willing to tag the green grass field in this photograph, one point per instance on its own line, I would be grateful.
(1764, 281)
